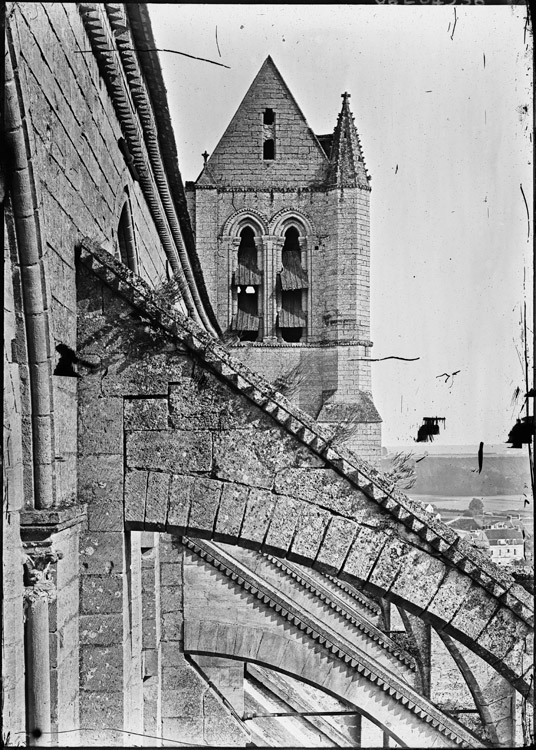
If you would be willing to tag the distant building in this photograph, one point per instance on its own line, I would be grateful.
(464, 523)
(506, 544)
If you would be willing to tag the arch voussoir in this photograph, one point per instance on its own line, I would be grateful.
(335, 545)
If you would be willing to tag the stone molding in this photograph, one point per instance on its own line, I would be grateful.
(341, 608)
(364, 665)
(141, 136)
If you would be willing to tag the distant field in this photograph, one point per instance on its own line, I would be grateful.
(450, 507)
(504, 476)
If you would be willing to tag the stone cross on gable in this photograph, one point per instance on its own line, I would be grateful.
(205, 156)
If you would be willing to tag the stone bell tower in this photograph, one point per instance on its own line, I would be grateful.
(282, 225)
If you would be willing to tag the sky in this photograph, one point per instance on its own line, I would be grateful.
(442, 100)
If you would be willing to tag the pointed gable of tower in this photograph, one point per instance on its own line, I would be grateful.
(347, 167)
(268, 142)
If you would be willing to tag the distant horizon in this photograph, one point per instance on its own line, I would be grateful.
(465, 448)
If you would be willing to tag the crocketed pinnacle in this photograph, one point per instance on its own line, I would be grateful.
(347, 163)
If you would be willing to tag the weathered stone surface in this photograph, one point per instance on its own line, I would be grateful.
(204, 500)
(502, 633)
(101, 594)
(191, 687)
(282, 526)
(323, 487)
(169, 548)
(149, 375)
(184, 727)
(148, 638)
(231, 512)
(179, 501)
(171, 575)
(200, 402)
(101, 667)
(172, 655)
(101, 629)
(364, 552)
(310, 531)
(475, 612)
(257, 516)
(335, 545)
(174, 451)
(171, 598)
(448, 599)
(251, 456)
(220, 726)
(100, 480)
(101, 709)
(156, 502)
(100, 426)
(419, 578)
(135, 495)
(101, 553)
(146, 413)
(391, 558)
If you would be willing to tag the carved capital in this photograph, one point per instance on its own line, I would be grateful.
(38, 581)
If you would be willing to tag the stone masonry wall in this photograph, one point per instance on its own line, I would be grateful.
(82, 177)
(203, 459)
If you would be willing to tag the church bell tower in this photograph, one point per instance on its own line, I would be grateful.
(282, 226)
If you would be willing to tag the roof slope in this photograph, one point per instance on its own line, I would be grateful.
(238, 160)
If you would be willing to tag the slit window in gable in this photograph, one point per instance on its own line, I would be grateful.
(268, 150)
(268, 117)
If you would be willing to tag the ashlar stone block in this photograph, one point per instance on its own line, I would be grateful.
(173, 451)
(259, 508)
(231, 512)
(335, 545)
(309, 534)
(146, 414)
(364, 553)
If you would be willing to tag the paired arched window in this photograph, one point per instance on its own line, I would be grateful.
(249, 318)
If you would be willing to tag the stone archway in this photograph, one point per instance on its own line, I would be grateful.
(231, 612)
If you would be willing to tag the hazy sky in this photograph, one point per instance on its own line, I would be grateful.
(443, 103)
